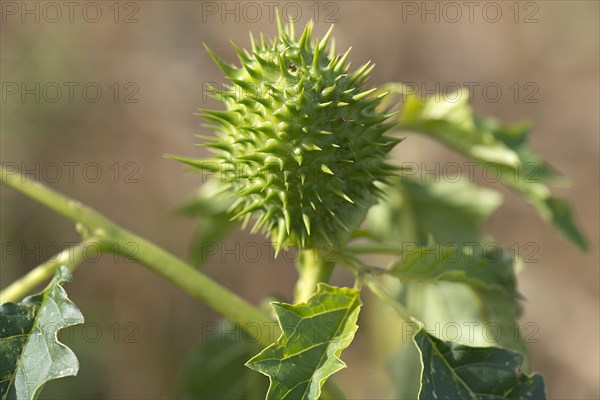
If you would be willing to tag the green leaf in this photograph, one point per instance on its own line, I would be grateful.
(494, 144)
(454, 371)
(31, 354)
(215, 370)
(552, 209)
(465, 314)
(449, 263)
(447, 285)
(443, 283)
(451, 212)
(471, 287)
(314, 335)
(502, 309)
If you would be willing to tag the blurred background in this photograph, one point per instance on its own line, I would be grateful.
(95, 93)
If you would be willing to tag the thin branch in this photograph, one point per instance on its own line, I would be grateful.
(113, 238)
(361, 270)
(70, 257)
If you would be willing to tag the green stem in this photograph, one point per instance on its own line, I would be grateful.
(375, 286)
(361, 270)
(373, 249)
(70, 257)
(112, 237)
(312, 269)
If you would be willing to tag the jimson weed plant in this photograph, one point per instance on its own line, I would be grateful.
(301, 152)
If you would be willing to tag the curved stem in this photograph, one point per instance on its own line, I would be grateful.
(70, 257)
(69, 208)
(113, 238)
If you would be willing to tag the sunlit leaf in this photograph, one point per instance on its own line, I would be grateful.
(314, 335)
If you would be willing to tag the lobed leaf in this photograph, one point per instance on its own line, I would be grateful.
(504, 146)
(30, 353)
(455, 371)
(314, 334)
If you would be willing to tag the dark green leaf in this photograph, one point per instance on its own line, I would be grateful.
(454, 371)
(30, 352)
(314, 335)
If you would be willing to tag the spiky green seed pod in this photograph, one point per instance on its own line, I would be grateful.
(301, 143)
